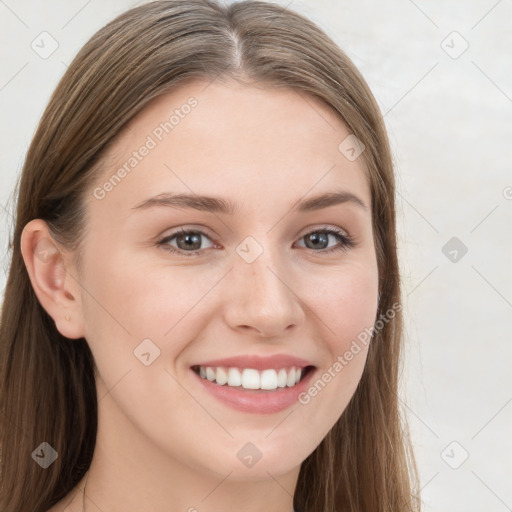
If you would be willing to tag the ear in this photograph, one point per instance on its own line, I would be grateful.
(53, 279)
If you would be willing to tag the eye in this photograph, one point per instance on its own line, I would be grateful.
(188, 242)
(320, 238)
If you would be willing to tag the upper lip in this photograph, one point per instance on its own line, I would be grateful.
(258, 362)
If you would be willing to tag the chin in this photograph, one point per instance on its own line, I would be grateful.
(250, 463)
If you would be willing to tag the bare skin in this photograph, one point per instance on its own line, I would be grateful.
(164, 443)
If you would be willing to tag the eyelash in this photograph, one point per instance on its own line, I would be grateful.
(346, 241)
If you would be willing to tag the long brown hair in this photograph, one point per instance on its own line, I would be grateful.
(47, 392)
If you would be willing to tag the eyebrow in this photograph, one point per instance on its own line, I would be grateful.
(220, 205)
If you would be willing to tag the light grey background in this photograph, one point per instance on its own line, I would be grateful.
(448, 110)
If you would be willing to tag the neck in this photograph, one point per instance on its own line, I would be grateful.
(129, 473)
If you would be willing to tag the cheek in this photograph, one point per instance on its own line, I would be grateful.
(347, 303)
(131, 300)
(346, 306)
(128, 302)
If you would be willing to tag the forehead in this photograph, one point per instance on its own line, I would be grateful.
(245, 143)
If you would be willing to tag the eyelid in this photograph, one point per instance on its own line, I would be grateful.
(163, 240)
(185, 229)
(320, 227)
(347, 240)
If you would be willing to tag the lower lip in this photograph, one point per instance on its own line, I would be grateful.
(256, 400)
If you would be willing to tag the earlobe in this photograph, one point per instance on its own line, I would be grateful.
(53, 285)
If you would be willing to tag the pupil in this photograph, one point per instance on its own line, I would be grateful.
(318, 239)
(192, 241)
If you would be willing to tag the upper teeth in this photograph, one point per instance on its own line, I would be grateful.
(250, 378)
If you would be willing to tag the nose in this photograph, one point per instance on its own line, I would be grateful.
(262, 297)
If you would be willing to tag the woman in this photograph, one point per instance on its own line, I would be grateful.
(203, 306)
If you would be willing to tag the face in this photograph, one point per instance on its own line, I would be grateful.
(261, 279)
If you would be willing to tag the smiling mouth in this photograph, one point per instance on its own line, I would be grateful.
(252, 379)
